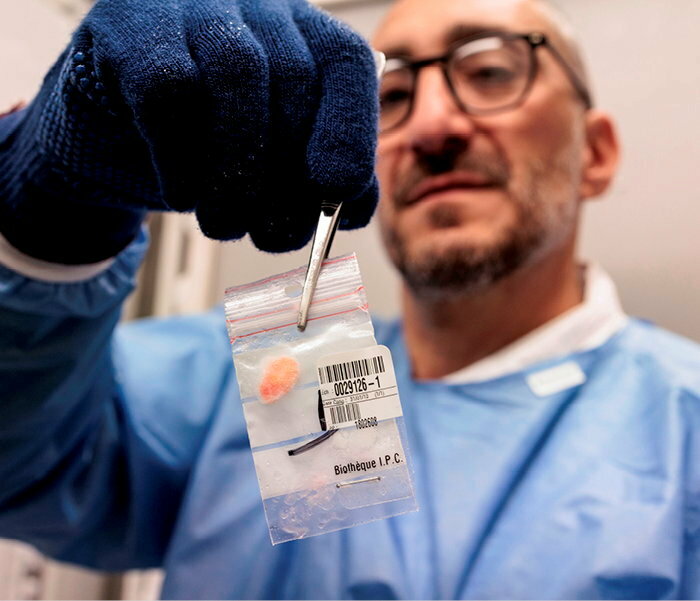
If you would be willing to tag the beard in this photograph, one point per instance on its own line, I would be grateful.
(546, 214)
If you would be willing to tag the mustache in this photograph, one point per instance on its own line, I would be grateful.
(494, 169)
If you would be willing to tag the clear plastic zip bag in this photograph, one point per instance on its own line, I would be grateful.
(321, 406)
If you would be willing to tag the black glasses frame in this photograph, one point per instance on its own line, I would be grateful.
(534, 39)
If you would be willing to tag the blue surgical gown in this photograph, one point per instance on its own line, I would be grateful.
(130, 450)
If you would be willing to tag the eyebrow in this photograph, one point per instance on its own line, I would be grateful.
(454, 34)
(462, 31)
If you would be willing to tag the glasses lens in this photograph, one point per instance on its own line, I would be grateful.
(395, 91)
(491, 73)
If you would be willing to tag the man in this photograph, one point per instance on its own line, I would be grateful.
(485, 205)
(554, 439)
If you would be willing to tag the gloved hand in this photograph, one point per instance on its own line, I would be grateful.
(249, 112)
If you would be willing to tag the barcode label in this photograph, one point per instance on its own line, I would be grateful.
(362, 377)
(351, 369)
(344, 413)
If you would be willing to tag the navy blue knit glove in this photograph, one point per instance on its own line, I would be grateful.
(249, 112)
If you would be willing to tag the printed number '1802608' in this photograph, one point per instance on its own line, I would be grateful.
(366, 422)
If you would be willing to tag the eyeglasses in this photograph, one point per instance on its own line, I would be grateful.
(487, 73)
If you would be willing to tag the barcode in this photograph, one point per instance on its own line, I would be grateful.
(351, 369)
(345, 413)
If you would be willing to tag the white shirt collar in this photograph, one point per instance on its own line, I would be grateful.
(581, 328)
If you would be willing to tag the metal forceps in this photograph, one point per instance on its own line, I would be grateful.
(323, 237)
(320, 247)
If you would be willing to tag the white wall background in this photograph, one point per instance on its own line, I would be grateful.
(645, 61)
(644, 57)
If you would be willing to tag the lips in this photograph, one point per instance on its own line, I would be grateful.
(444, 183)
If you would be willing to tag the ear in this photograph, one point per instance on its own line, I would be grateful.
(601, 154)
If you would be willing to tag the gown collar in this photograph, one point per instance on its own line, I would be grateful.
(584, 327)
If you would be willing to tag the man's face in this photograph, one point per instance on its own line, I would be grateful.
(466, 200)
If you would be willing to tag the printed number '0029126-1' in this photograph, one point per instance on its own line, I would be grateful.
(353, 386)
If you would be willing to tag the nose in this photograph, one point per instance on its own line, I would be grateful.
(439, 130)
